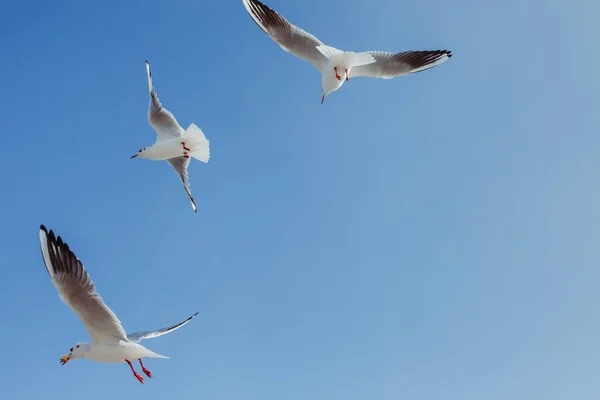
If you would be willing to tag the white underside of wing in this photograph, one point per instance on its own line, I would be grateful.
(289, 37)
(138, 336)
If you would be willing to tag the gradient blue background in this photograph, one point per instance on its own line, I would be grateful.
(429, 237)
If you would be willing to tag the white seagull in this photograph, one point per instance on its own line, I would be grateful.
(333, 63)
(173, 143)
(109, 344)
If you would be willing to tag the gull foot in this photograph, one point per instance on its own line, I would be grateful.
(347, 78)
(185, 148)
(186, 155)
(339, 78)
(139, 377)
(148, 373)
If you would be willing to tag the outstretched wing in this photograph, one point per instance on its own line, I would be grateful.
(291, 38)
(181, 164)
(161, 119)
(137, 336)
(77, 290)
(389, 65)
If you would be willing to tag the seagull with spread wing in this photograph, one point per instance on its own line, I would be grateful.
(173, 143)
(336, 65)
(110, 343)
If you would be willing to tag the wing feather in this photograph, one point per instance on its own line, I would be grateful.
(137, 336)
(77, 290)
(291, 38)
(159, 118)
(389, 65)
(181, 164)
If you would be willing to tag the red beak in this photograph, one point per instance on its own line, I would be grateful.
(134, 156)
(322, 99)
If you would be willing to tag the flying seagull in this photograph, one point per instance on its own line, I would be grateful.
(336, 65)
(173, 143)
(110, 343)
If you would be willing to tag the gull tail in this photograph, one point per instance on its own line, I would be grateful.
(152, 354)
(198, 143)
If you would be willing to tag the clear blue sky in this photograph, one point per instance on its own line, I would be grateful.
(429, 237)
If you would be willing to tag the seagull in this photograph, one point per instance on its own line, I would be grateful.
(332, 62)
(110, 343)
(173, 143)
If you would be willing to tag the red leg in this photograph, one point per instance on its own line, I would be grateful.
(138, 376)
(336, 74)
(186, 155)
(185, 148)
(148, 374)
(347, 77)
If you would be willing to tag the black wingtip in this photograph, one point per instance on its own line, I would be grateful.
(48, 232)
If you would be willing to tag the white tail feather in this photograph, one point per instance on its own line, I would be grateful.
(199, 143)
(155, 355)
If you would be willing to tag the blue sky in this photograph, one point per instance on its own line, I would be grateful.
(427, 237)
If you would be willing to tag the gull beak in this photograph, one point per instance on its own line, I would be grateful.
(134, 156)
(322, 99)
(64, 360)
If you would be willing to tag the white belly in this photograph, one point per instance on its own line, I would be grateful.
(117, 352)
(165, 150)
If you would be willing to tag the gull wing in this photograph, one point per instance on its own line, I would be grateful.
(389, 65)
(159, 118)
(181, 164)
(291, 38)
(77, 290)
(138, 336)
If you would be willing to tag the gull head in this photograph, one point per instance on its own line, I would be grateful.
(331, 80)
(339, 66)
(139, 153)
(77, 351)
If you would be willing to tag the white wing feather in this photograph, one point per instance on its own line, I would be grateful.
(181, 164)
(291, 38)
(159, 118)
(77, 290)
(389, 65)
(137, 336)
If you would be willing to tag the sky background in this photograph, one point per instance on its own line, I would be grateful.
(433, 236)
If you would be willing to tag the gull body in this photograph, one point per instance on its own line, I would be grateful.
(337, 66)
(112, 353)
(110, 343)
(170, 148)
(173, 143)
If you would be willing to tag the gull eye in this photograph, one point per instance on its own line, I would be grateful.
(77, 346)
(71, 350)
